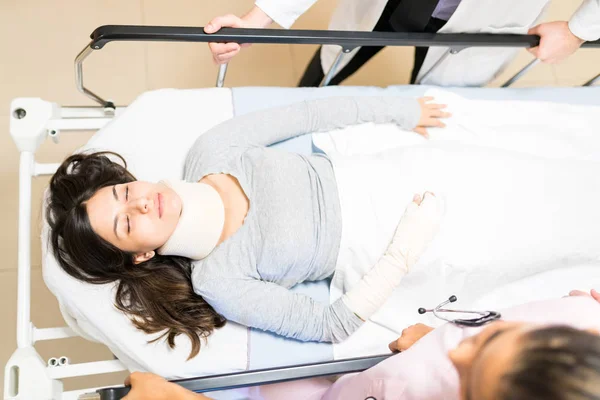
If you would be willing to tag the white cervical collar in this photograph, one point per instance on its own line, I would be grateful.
(201, 222)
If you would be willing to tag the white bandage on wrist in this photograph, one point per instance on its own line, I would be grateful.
(375, 288)
(416, 229)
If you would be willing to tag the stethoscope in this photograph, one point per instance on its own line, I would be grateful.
(484, 317)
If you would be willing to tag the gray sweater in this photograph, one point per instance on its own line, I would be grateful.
(292, 231)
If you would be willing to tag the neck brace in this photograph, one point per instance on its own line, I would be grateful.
(201, 222)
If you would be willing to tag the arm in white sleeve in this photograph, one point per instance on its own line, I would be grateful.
(284, 12)
(585, 23)
(416, 229)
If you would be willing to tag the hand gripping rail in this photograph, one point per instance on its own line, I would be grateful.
(347, 40)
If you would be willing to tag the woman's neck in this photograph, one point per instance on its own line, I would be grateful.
(234, 199)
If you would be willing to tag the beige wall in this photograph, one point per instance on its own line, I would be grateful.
(38, 42)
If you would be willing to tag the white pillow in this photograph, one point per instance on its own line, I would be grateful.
(154, 135)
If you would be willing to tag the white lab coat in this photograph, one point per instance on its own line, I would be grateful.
(470, 67)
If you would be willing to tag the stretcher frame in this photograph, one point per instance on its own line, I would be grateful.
(33, 120)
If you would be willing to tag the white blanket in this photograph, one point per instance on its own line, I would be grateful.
(520, 185)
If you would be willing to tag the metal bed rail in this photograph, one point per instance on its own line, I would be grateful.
(347, 40)
(257, 377)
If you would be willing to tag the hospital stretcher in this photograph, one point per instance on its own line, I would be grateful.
(33, 121)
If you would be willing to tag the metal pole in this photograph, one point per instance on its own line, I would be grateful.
(593, 81)
(221, 75)
(83, 369)
(332, 70)
(24, 326)
(52, 334)
(434, 66)
(519, 74)
(79, 77)
(263, 376)
(44, 169)
(67, 112)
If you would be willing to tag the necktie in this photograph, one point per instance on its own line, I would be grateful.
(412, 15)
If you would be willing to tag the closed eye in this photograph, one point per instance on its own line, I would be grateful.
(128, 225)
(127, 193)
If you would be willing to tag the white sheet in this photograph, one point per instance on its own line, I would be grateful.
(545, 129)
(154, 134)
(521, 194)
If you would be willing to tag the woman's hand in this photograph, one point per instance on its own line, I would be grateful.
(431, 114)
(409, 337)
(416, 229)
(146, 386)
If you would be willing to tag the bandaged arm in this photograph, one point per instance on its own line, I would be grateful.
(414, 232)
(272, 307)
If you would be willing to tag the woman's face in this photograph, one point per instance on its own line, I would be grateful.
(483, 359)
(137, 217)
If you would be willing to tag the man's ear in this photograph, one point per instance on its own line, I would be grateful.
(142, 257)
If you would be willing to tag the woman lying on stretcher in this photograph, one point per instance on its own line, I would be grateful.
(248, 223)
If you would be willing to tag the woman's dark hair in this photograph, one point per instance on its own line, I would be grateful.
(156, 294)
(554, 363)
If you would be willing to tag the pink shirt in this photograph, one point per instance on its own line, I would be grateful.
(424, 371)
